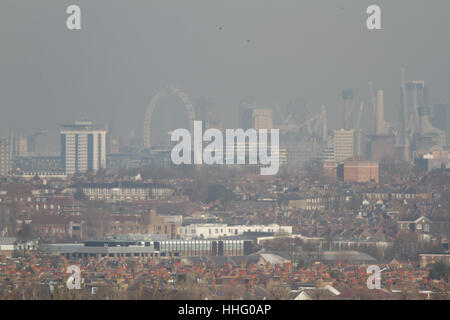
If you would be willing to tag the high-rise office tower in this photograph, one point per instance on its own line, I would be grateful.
(256, 118)
(347, 95)
(246, 118)
(327, 153)
(414, 97)
(112, 140)
(418, 114)
(441, 119)
(19, 145)
(262, 119)
(416, 100)
(5, 156)
(425, 127)
(83, 147)
(348, 144)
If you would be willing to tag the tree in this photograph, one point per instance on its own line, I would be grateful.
(219, 192)
(96, 221)
(233, 292)
(12, 219)
(3, 219)
(439, 270)
(278, 293)
(355, 202)
(26, 233)
(409, 291)
(79, 195)
(199, 190)
(439, 292)
(405, 247)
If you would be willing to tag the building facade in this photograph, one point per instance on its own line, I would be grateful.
(361, 171)
(348, 144)
(150, 248)
(5, 156)
(214, 231)
(83, 148)
(256, 118)
(431, 258)
(262, 119)
(441, 119)
(122, 191)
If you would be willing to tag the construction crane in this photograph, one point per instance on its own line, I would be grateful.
(286, 116)
(404, 100)
(324, 123)
(358, 121)
(308, 110)
(405, 125)
(321, 120)
(372, 97)
(307, 124)
(277, 109)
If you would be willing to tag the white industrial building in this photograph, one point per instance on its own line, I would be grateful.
(214, 231)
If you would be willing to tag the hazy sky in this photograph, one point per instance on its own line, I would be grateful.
(128, 50)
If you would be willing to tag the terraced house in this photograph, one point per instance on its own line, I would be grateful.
(122, 191)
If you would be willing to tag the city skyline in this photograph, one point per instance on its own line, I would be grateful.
(253, 150)
(112, 76)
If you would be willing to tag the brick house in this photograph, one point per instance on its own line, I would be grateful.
(421, 225)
